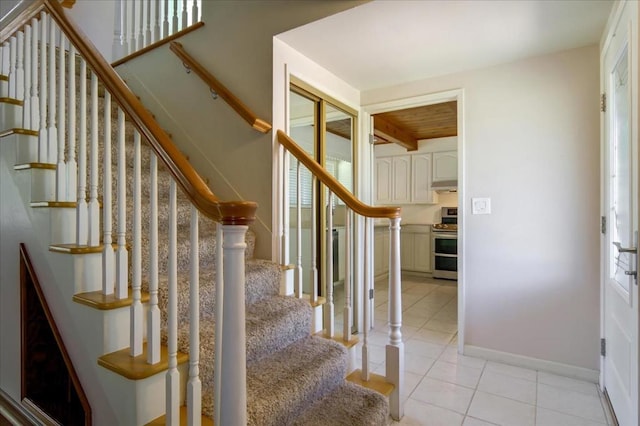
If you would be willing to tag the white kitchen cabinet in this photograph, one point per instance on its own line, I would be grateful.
(421, 192)
(445, 166)
(393, 180)
(381, 251)
(415, 248)
(383, 177)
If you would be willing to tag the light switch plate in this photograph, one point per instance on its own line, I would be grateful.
(481, 206)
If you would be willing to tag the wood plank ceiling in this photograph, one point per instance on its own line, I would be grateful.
(406, 127)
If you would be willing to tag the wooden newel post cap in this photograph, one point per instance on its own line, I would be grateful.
(237, 212)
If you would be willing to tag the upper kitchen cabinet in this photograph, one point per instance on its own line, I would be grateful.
(421, 179)
(393, 180)
(445, 166)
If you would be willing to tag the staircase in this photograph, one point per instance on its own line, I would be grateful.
(144, 264)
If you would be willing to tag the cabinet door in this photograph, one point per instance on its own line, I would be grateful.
(378, 253)
(385, 251)
(384, 166)
(422, 252)
(406, 251)
(445, 166)
(401, 179)
(421, 179)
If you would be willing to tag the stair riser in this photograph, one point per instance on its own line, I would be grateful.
(27, 149)
(4, 89)
(39, 184)
(11, 116)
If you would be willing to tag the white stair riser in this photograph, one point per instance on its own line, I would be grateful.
(63, 225)
(4, 89)
(40, 184)
(11, 116)
(316, 320)
(26, 149)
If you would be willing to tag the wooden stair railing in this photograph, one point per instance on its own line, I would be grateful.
(218, 88)
(395, 347)
(32, 39)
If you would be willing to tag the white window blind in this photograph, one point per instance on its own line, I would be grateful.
(340, 169)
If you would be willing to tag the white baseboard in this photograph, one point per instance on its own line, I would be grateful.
(566, 370)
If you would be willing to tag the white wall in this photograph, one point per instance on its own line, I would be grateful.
(236, 45)
(532, 146)
(96, 20)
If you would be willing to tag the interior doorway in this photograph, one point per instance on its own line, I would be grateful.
(419, 101)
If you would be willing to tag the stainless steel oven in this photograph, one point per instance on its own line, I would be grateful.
(444, 245)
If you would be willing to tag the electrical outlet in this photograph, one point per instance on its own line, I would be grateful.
(481, 206)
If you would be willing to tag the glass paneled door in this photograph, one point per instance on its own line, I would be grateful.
(620, 314)
(325, 129)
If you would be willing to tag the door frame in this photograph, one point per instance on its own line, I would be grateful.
(608, 35)
(368, 157)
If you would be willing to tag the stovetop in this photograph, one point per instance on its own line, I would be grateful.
(452, 227)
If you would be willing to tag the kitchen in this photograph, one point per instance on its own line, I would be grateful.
(416, 167)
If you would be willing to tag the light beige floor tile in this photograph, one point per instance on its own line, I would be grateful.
(502, 411)
(442, 326)
(422, 288)
(571, 402)
(508, 386)
(414, 320)
(471, 421)
(546, 417)
(510, 370)
(568, 383)
(419, 413)
(427, 349)
(455, 373)
(411, 382)
(451, 355)
(418, 364)
(433, 336)
(443, 394)
(421, 311)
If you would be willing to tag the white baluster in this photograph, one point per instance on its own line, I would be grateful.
(217, 360)
(93, 208)
(4, 63)
(147, 33)
(155, 32)
(136, 285)
(52, 131)
(174, 22)
(185, 15)
(165, 19)
(314, 241)
(61, 169)
(366, 304)
(26, 106)
(43, 140)
(173, 377)
(346, 318)
(35, 101)
(133, 32)
(194, 12)
(140, 32)
(119, 28)
(72, 165)
(20, 66)
(108, 257)
(194, 386)
(82, 209)
(329, 306)
(122, 258)
(153, 318)
(298, 278)
(394, 360)
(12, 66)
(233, 404)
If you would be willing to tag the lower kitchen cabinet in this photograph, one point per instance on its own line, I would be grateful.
(381, 251)
(415, 248)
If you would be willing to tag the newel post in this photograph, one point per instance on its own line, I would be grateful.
(233, 367)
(395, 347)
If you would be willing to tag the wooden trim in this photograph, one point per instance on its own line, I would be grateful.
(376, 382)
(54, 204)
(68, 3)
(235, 212)
(97, 300)
(157, 44)
(4, 77)
(136, 367)
(27, 268)
(339, 339)
(24, 17)
(11, 101)
(75, 249)
(215, 85)
(336, 187)
(18, 131)
(162, 421)
(388, 131)
(27, 166)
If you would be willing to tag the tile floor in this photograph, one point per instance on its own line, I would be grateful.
(444, 388)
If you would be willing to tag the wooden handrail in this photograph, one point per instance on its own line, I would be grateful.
(213, 83)
(332, 183)
(229, 213)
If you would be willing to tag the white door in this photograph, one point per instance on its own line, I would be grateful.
(620, 315)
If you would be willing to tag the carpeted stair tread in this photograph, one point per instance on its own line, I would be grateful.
(281, 386)
(348, 405)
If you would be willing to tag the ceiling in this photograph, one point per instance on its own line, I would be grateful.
(384, 43)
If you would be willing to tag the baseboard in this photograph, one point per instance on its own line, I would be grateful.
(534, 363)
(14, 412)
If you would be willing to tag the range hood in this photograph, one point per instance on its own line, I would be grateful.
(445, 186)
